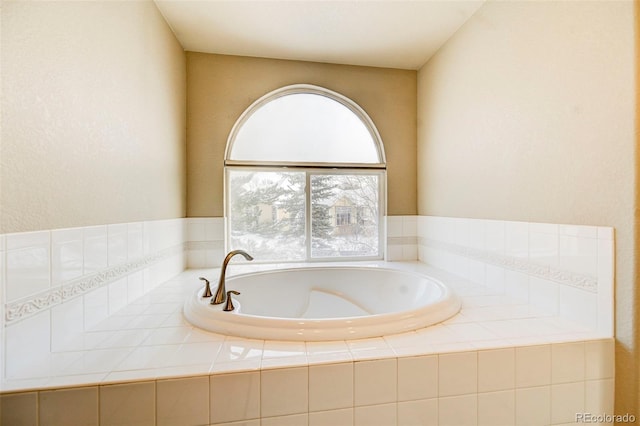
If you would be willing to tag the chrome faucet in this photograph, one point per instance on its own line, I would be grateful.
(221, 294)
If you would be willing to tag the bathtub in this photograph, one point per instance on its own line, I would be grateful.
(325, 303)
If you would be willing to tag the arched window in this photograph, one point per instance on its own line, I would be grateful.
(305, 178)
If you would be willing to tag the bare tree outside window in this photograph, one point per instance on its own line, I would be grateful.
(305, 178)
(267, 214)
(351, 217)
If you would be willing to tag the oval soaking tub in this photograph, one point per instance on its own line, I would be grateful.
(325, 303)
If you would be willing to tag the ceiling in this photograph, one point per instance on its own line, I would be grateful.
(387, 33)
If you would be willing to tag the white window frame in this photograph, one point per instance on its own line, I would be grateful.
(309, 169)
(306, 89)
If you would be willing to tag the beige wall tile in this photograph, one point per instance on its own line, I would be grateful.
(496, 408)
(496, 370)
(533, 406)
(458, 410)
(292, 420)
(330, 386)
(284, 391)
(69, 406)
(130, 403)
(422, 412)
(343, 417)
(599, 359)
(234, 397)
(376, 382)
(376, 415)
(183, 402)
(533, 366)
(19, 409)
(457, 373)
(567, 362)
(417, 378)
(567, 399)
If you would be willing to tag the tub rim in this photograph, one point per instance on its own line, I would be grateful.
(239, 324)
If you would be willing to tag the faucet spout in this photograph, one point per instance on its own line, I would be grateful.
(221, 293)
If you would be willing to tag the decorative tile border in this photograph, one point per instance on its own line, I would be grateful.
(573, 279)
(29, 306)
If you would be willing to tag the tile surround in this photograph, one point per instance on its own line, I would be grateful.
(182, 402)
(234, 397)
(131, 403)
(54, 406)
(284, 391)
(19, 409)
(533, 406)
(205, 242)
(26, 264)
(375, 381)
(458, 410)
(331, 386)
(418, 412)
(566, 270)
(410, 383)
(33, 276)
(417, 378)
(375, 415)
(438, 375)
(496, 408)
(331, 418)
(533, 366)
(458, 373)
(496, 370)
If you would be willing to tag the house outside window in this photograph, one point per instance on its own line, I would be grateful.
(343, 215)
(305, 179)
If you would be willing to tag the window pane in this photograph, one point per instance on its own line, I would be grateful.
(344, 215)
(267, 214)
(304, 127)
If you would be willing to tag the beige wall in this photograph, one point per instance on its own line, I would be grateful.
(221, 87)
(93, 115)
(527, 113)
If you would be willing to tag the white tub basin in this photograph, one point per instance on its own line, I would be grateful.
(325, 303)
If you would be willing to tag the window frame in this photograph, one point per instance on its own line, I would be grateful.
(311, 168)
(313, 171)
(314, 90)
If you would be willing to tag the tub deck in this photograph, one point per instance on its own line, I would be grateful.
(150, 340)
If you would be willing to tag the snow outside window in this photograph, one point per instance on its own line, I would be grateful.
(305, 179)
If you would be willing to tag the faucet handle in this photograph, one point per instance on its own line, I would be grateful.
(207, 288)
(229, 306)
